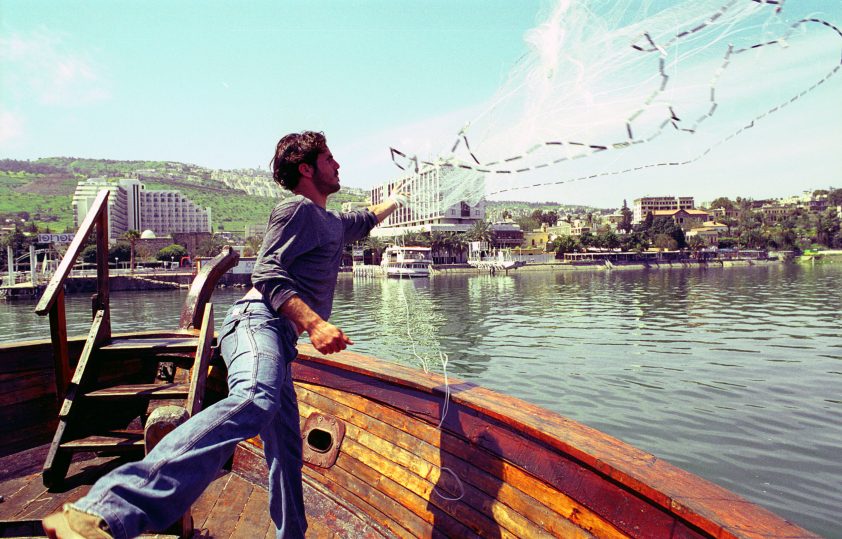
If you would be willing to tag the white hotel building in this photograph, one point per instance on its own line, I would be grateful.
(644, 205)
(132, 207)
(426, 212)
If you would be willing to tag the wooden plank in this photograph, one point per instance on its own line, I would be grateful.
(223, 518)
(455, 495)
(101, 300)
(152, 344)
(57, 281)
(24, 386)
(411, 511)
(128, 440)
(202, 508)
(36, 356)
(373, 504)
(512, 488)
(18, 502)
(199, 372)
(155, 391)
(624, 509)
(339, 514)
(61, 355)
(254, 520)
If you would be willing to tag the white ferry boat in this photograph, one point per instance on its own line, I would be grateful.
(481, 256)
(407, 261)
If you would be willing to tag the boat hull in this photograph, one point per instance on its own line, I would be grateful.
(407, 272)
(410, 454)
(422, 456)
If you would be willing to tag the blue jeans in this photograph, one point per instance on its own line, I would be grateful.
(258, 348)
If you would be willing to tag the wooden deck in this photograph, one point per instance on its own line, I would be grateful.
(231, 507)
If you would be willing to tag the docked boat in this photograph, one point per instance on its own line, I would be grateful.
(390, 451)
(483, 257)
(399, 261)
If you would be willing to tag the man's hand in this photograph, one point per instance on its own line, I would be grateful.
(398, 198)
(327, 338)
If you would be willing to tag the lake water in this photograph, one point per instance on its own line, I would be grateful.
(734, 374)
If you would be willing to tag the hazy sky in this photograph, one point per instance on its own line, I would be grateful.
(217, 83)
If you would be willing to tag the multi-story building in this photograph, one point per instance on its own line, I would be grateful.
(685, 219)
(507, 234)
(132, 207)
(644, 205)
(427, 211)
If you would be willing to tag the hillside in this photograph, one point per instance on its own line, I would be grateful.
(41, 190)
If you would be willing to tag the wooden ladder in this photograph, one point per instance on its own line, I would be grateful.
(117, 384)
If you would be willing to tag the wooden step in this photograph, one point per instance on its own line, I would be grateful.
(114, 440)
(154, 391)
(163, 345)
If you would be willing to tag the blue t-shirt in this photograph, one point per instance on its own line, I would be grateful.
(302, 250)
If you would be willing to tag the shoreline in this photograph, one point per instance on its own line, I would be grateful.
(559, 266)
(182, 280)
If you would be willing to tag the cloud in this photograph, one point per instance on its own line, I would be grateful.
(41, 65)
(11, 127)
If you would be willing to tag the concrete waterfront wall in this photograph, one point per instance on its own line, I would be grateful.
(558, 266)
(149, 281)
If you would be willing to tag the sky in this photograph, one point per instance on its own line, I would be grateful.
(217, 83)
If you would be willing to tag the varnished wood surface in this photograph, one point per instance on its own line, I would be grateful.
(521, 466)
(633, 491)
(232, 506)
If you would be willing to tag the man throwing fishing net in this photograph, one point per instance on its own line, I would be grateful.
(294, 280)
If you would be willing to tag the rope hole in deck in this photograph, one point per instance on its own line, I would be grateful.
(323, 435)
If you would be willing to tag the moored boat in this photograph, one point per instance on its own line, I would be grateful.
(399, 261)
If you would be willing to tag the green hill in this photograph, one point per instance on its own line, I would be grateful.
(41, 190)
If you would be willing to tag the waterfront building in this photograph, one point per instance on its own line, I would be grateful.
(538, 237)
(686, 219)
(709, 235)
(561, 228)
(507, 234)
(133, 207)
(644, 205)
(427, 212)
(776, 212)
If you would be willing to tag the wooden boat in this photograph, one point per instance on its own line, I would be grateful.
(389, 451)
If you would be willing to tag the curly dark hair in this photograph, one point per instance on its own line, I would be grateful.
(291, 151)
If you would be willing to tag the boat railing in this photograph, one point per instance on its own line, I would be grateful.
(52, 300)
(203, 285)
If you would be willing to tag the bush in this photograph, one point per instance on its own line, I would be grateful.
(171, 252)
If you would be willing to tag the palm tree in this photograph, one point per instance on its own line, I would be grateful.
(481, 231)
(420, 239)
(376, 246)
(458, 244)
(438, 242)
(131, 236)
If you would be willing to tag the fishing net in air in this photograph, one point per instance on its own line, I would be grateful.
(612, 87)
